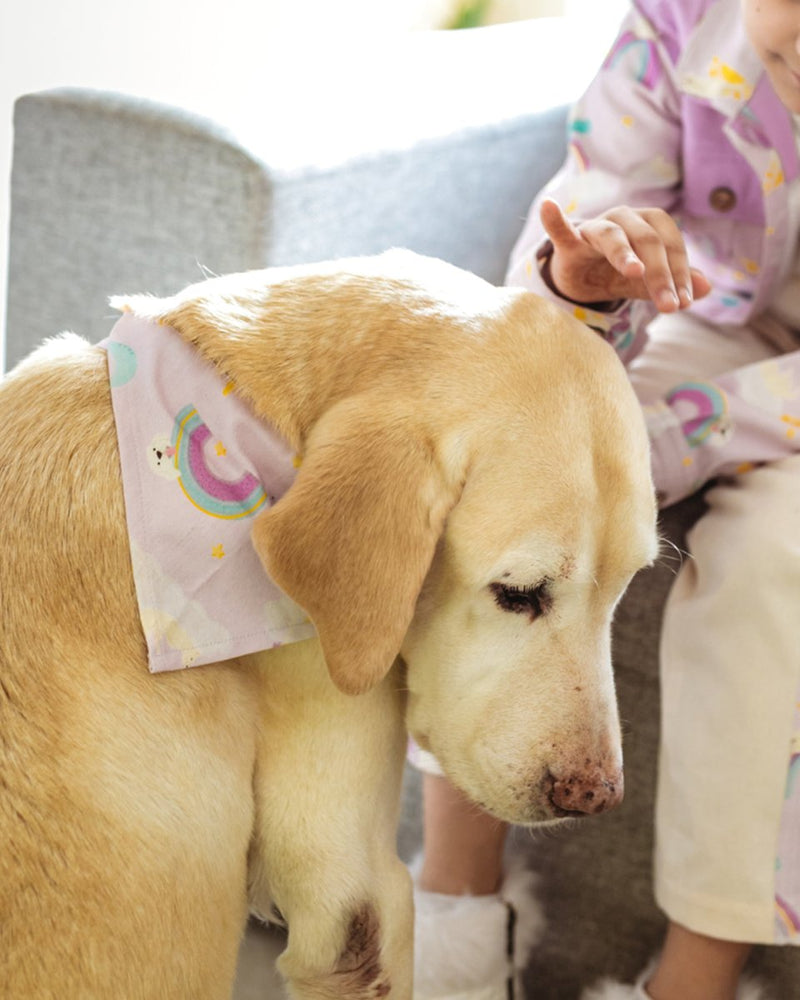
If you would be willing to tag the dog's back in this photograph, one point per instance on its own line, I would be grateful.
(118, 822)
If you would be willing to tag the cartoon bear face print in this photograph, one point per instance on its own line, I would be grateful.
(161, 457)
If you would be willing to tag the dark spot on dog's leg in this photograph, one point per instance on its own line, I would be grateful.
(358, 973)
(359, 966)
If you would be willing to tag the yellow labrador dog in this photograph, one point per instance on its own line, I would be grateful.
(473, 499)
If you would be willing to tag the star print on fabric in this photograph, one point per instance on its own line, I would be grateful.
(793, 423)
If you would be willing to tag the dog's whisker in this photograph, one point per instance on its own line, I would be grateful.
(626, 728)
(546, 831)
(673, 554)
(204, 270)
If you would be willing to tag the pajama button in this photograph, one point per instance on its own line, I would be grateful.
(723, 199)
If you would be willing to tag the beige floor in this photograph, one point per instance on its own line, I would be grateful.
(256, 978)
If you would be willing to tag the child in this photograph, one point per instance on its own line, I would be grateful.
(681, 197)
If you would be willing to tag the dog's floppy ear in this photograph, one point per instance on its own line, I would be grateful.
(353, 539)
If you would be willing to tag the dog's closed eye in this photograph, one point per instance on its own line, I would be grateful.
(533, 601)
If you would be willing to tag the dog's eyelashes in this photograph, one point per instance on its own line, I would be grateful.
(532, 601)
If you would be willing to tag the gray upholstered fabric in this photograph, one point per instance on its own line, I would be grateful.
(112, 194)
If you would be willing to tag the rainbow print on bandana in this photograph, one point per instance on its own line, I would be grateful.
(702, 408)
(641, 55)
(202, 485)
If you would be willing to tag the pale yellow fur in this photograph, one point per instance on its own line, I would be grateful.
(468, 434)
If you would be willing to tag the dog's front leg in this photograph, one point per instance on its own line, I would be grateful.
(324, 852)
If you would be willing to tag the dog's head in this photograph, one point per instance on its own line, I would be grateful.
(509, 654)
(474, 497)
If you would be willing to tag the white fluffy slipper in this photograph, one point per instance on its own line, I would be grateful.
(609, 989)
(475, 947)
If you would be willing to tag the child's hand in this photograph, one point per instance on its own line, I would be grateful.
(625, 253)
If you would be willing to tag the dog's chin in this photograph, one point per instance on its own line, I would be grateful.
(533, 814)
(531, 806)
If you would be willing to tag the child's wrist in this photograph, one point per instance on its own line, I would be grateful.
(544, 261)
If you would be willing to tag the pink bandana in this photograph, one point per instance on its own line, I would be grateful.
(197, 466)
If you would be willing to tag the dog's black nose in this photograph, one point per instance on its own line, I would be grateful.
(585, 794)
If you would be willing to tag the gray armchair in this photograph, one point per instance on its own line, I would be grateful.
(113, 194)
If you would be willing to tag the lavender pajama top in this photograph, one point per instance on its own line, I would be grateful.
(682, 116)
